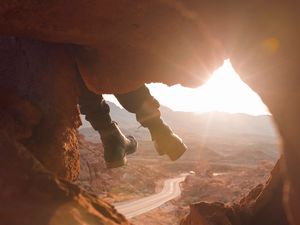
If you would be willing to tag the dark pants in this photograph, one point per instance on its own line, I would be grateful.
(96, 110)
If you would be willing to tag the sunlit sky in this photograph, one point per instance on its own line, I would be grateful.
(223, 92)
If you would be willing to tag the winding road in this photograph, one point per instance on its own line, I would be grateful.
(170, 191)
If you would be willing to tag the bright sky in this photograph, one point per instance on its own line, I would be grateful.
(224, 92)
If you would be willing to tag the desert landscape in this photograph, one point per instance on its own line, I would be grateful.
(229, 154)
(49, 47)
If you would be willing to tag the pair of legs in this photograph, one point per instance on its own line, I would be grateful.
(145, 107)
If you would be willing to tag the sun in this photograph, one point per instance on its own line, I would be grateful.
(223, 92)
(226, 92)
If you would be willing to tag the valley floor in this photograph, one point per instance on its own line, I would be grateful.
(144, 175)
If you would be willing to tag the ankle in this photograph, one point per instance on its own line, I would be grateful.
(159, 129)
(109, 130)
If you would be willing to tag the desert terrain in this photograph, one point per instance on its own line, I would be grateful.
(229, 155)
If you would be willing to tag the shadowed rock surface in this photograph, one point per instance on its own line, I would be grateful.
(38, 120)
(132, 43)
(32, 195)
(41, 76)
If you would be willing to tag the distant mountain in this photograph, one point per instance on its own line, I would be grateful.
(208, 124)
(124, 118)
(222, 134)
(220, 123)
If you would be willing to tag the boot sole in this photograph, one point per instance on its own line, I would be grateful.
(173, 153)
(116, 164)
(122, 162)
(176, 153)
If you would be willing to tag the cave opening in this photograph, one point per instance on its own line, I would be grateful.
(39, 120)
(232, 140)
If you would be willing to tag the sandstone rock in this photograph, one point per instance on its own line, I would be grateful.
(38, 121)
(32, 195)
(207, 214)
(262, 206)
(39, 97)
(140, 48)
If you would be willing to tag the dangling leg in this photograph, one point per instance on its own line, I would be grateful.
(116, 145)
(146, 108)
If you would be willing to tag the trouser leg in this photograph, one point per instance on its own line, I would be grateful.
(96, 110)
(143, 104)
(146, 108)
(94, 107)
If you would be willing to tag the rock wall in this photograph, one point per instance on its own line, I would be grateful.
(41, 76)
(32, 195)
(39, 118)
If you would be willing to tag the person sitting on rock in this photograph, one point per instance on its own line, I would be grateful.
(116, 145)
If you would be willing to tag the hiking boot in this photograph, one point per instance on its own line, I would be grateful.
(165, 141)
(116, 146)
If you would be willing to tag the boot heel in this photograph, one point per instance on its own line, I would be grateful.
(176, 152)
(158, 150)
(116, 146)
(115, 164)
